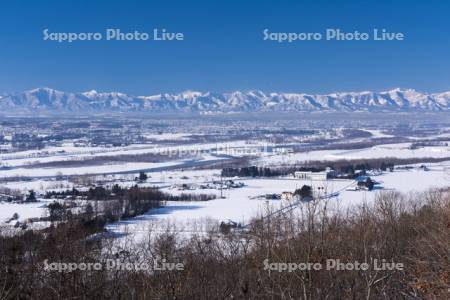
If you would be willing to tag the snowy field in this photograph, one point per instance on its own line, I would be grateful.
(25, 211)
(21, 163)
(400, 150)
(102, 169)
(242, 204)
(69, 152)
(201, 152)
(239, 204)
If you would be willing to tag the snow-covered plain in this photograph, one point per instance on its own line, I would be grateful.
(92, 170)
(239, 204)
(69, 152)
(202, 152)
(400, 150)
(101, 169)
(25, 210)
(242, 204)
(20, 164)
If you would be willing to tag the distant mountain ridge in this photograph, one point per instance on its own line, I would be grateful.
(54, 101)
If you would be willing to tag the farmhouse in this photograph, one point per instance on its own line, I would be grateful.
(365, 183)
(308, 175)
(303, 175)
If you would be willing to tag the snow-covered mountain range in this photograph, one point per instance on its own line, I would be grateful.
(53, 101)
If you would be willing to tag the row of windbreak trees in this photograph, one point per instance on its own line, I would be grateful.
(130, 202)
(110, 204)
(347, 168)
(134, 201)
(412, 231)
(118, 202)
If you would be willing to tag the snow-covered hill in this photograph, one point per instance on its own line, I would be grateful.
(53, 101)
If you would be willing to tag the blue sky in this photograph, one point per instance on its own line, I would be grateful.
(223, 48)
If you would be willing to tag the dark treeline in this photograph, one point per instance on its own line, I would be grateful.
(254, 171)
(347, 168)
(251, 171)
(101, 193)
(226, 267)
(111, 204)
(190, 197)
(384, 164)
(122, 203)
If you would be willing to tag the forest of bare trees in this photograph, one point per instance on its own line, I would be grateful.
(410, 230)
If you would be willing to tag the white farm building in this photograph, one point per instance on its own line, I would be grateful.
(308, 175)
